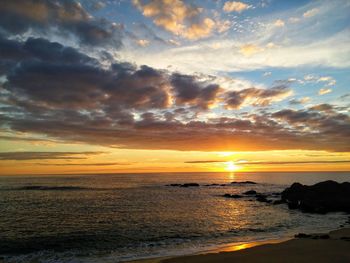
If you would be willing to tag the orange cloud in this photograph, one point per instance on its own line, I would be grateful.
(250, 49)
(235, 6)
(177, 17)
(324, 91)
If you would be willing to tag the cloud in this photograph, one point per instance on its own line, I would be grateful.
(177, 17)
(332, 52)
(250, 49)
(142, 42)
(299, 101)
(189, 91)
(59, 92)
(69, 17)
(242, 163)
(22, 156)
(310, 13)
(256, 97)
(279, 23)
(323, 107)
(206, 161)
(321, 123)
(314, 78)
(324, 91)
(82, 164)
(235, 6)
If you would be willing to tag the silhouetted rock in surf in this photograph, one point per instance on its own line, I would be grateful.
(324, 197)
(190, 185)
(278, 202)
(184, 185)
(243, 182)
(173, 185)
(262, 198)
(232, 196)
(250, 192)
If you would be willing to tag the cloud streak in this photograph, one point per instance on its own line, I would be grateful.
(23, 156)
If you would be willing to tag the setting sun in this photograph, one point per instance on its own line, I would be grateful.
(231, 166)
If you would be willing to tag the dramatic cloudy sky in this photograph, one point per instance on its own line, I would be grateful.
(160, 85)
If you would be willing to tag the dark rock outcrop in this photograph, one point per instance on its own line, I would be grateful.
(184, 185)
(250, 192)
(312, 236)
(243, 182)
(278, 202)
(190, 185)
(324, 197)
(302, 235)
(235, 196)
(262, 198)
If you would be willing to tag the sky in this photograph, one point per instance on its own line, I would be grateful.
(174, 86)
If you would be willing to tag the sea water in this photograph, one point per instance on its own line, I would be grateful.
(120, 217)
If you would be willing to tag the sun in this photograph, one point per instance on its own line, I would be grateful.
(231, 166)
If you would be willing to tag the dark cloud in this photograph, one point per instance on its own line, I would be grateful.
(190, 91)
(256, 97)
(206, 161)
(57, 91)
(69, 17)
(82, 164)
(323, 107)
(20, 156)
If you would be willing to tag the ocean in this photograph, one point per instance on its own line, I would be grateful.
(120, 217)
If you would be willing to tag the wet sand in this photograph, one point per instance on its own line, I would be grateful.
(335, 249)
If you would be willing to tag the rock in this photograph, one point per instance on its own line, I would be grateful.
(262, 198)
(278, 202)
(232, 196)
(321, 198)
(325, 236)
(190, 185)
(184, 185)
(250, 192)
(243, 182)
(276, 194)
(302, 235)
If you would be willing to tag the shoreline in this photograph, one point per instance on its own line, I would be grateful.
(334, 249)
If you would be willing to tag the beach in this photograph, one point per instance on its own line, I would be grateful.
(335, 249)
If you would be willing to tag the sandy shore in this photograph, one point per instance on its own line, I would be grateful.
(335, 249)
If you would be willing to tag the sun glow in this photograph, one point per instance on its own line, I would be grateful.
(231, 166)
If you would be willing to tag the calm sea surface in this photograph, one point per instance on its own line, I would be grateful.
(112, 218)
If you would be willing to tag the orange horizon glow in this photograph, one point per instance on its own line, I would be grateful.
(144, 161)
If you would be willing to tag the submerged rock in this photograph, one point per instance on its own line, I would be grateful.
(324, 197)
